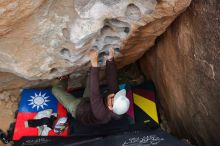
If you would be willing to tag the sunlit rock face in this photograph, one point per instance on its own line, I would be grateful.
(45, 39)
(14, 11)
(185, 67)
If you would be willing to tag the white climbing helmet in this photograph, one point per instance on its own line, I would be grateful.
(121, 103)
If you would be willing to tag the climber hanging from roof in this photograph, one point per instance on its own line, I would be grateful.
(95, 108)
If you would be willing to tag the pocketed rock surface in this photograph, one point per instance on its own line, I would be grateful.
(45, 39)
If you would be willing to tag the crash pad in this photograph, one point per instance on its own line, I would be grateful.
(33, 101)
(130, 138)
(119, 132)
(145, 104)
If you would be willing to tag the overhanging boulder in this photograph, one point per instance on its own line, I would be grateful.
(46, 39)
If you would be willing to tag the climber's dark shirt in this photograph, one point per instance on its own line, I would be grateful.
(100, 114)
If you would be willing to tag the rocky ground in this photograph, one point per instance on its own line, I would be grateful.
(8, 108)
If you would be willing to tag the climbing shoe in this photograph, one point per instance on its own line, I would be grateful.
(60, 125)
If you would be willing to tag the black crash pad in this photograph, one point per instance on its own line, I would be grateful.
(131, 138)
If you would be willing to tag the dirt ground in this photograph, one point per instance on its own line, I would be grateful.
(8, 106)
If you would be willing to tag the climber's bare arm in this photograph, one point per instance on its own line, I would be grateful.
(110, 57)
(94, 58)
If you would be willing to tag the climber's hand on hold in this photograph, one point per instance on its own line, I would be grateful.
(94, 58)
(111, 54)
(66, 77)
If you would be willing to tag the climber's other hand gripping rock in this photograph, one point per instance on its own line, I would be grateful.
(94, 58)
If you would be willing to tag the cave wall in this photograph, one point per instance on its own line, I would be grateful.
(185, 67)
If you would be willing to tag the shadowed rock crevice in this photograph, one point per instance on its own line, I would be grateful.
(111, 36)
(66, 33)
(110, 2)
(133, 12)
(185, 67)
(53, 70)
(65, 52)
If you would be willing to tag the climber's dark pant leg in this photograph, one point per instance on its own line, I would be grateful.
(40, 122)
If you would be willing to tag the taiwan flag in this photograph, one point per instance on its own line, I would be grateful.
(33, 101)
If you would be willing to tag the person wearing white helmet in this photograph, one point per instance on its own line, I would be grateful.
(96, 108)
(120, 103)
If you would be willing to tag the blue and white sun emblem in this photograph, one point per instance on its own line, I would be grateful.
(39, 100)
